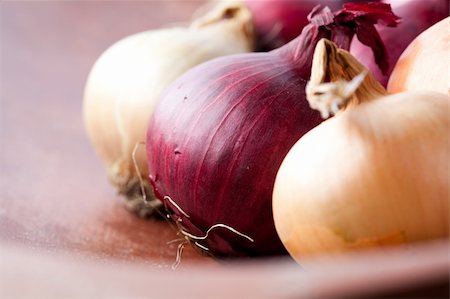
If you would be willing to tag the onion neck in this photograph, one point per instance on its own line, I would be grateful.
(299, 52)
(340, 27)
(222, 13)
(339, 80)
(234, 17)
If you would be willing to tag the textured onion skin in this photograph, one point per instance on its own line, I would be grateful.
(374, 175)
(220, 132)
(236, 157)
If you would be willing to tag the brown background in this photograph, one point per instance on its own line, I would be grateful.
(59, 217)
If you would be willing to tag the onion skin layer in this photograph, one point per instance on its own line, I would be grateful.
(374, 175)
(220, 132)
(424, 65)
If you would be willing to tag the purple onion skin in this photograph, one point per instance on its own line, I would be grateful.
(220, 132)
(417, 16)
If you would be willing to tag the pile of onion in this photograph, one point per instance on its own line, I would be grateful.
(220, 132)
(425, 64)
(128, 79)
(374, 175)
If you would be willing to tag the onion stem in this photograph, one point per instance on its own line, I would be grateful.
(350, 82)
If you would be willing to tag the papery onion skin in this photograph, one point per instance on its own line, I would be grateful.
(416, 16)
(129, 77)
(425, 64)
(374, 175)
(220, 132)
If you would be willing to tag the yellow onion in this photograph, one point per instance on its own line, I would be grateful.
(129, 77)
(374, 175)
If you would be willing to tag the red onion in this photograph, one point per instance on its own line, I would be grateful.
(416, 16)
(220, 132)
(277, 22)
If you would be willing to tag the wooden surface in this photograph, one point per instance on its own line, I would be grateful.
(64, 231)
